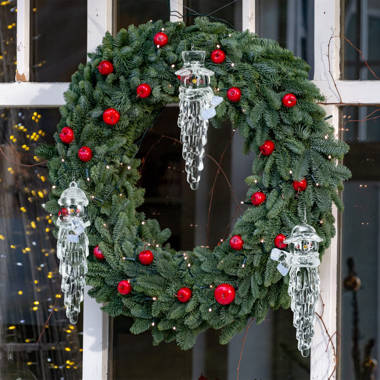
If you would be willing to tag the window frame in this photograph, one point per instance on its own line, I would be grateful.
(337, 92)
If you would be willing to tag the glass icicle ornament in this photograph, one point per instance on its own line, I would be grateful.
(302, 263)
(72, 248)
(197, 104)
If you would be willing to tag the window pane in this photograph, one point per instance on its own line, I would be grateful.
(291, 23)
(360, 40)
(58, 39)
(8, 17)
(36, 339)
(140, 12)
(217, 10)
(271, 349)
(360, 245)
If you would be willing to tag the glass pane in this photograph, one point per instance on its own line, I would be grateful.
(140, 12)
(360, 263)
(291, 23)
(36, 340)
(229, 12)
(360, 43)
(195, 218)
(8, 42)
(58, 39)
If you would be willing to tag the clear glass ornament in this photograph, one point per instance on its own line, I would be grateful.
(301, 262)
(72, 248)
(197, 104)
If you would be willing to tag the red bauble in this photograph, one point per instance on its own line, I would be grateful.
(224, 294)
(143, 90)
(105, 67)
(63, 212)
(184, 295)
(289, 100)
(160, 39)
(66, 135)
(98, 253)
(85, 154)
(111, 116)
(258, 198)
(234, 94)
(218, 56)
(267, 148)
(279, 241)
(236, 242)
(300, 185)
(124, 287)
(146, 257)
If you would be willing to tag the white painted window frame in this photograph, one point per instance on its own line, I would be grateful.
(23, 93)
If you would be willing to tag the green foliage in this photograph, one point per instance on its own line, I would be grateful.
(304, 148)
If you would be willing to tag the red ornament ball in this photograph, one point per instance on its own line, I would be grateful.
(184, 295)
(267, 148)
(300, 185)
(63, 212)
(224, 294)
(218, 56)
(124, 287)
(66, 135)
(234, 94)
(146, 257)
(85, 154)
(258, 198)
(143, 90)
(111, 116)
(98, 253)
(236, 242)
(160, 39)
(289, 100)
(279, 241)
(105, 67)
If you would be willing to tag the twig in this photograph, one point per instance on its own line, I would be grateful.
(330, 72)
(19, 163)
(242, 348)
(45, 325)
(330, 336)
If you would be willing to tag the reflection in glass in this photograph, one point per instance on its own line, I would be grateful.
(360, 252)
(36, 339)
(291, 23)
(225, 11)
(8, 42)
(58, 39)
(360, 40)
(140, 12)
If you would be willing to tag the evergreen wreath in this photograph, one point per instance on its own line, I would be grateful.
(134, 272)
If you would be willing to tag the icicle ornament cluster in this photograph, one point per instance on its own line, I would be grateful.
(301, 262)
(72, 248)
(197, 104)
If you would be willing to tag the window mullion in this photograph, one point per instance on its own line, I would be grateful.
(326, 72)
(176, 10)
(95, 322)
(23, 40)
(249, 15)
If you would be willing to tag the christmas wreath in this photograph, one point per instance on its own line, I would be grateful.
(115, 98)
